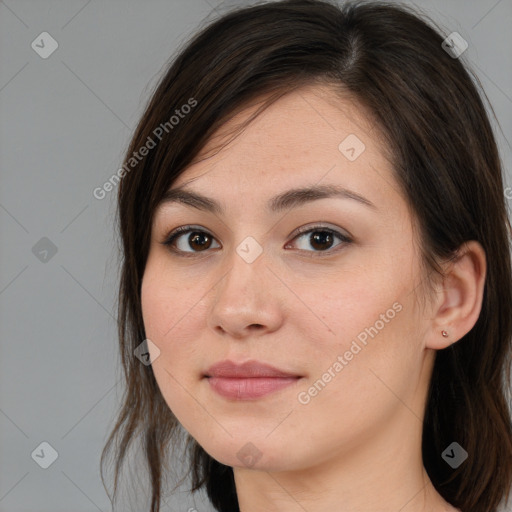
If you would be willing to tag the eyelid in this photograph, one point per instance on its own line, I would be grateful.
(318, 227)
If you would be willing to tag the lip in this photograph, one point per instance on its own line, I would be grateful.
(247, 381)
(247, 370)
(249, 389)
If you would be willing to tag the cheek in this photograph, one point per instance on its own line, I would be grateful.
(359, 322)
(169, 322)
(172, 316)
(167, 304)
(344, 303)
(356, 376)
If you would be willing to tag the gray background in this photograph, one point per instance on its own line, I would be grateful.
(64, 126)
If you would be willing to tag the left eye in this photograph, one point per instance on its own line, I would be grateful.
(319, 238)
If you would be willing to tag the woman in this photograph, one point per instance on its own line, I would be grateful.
(344, 341)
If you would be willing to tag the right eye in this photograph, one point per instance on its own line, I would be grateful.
(197, 239)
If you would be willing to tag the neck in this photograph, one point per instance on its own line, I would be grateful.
(383, 472)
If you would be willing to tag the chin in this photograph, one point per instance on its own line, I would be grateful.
(253, 453)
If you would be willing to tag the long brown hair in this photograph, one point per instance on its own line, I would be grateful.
(426, 104)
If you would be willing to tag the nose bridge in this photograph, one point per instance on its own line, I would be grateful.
(241, 298)
(246, 267)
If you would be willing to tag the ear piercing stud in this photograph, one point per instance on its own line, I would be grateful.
(444, 333)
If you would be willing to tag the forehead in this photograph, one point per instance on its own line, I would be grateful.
(303, 116)
(305, 136)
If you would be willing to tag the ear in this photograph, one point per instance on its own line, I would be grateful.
(460, 297)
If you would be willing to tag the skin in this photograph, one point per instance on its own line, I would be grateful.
(356, 445)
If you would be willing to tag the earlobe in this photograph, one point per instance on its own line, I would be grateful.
(460, 297)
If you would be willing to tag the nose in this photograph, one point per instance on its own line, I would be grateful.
(248, 300)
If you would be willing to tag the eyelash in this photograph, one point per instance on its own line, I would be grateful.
(171, 237)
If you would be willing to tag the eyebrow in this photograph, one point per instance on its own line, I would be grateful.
(290, 199)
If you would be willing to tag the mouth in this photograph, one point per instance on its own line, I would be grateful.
(249, 380)
(249, 369)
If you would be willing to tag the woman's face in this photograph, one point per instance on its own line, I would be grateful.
(334, 307)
